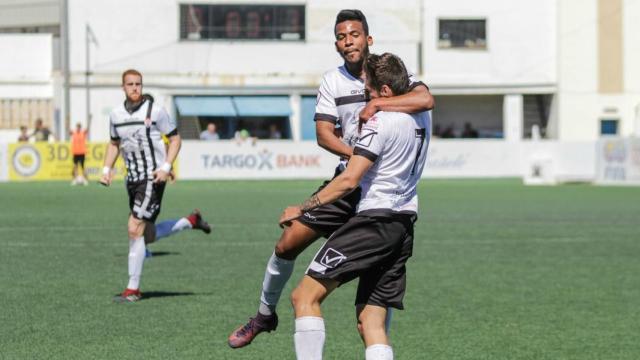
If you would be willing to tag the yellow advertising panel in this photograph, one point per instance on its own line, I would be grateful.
(45, 161)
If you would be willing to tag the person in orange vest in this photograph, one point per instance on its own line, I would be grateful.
(79, 150)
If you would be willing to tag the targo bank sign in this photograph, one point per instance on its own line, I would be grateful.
(262, 160)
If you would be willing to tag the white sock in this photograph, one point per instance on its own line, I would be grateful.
(378, 352)
(181, 224)
(276, 275)
(309, 338)
(136, 260)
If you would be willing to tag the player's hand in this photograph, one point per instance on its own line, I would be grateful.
(160, 176)
(106, 179)
(368, 111)
(288, 215)
(172, 177)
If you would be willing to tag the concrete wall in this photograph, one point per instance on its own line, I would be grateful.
(24, 72)
(154, 45)
(521, 46)
(580, 104)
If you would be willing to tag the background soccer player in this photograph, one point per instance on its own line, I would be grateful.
(136, 129)
(375, 244)
(79, 151)
(336, 106)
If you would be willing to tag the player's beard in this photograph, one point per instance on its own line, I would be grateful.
(356, 68)
(132, 105)
(137, 99)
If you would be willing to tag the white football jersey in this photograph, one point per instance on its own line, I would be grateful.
(340, 99)
(397, 143)
(141, 146)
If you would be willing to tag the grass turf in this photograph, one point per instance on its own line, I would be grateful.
(500, 271)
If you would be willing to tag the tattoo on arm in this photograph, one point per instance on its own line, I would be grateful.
(311, 203)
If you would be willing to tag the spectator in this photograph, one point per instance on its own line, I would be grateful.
(41, 132)
(24, 136)
(448, 133)
(242, 135)
(274, 132)
(469, 131)
(210, 133)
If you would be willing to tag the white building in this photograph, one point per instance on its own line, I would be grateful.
(502, 66)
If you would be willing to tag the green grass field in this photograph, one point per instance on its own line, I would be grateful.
(500, 271)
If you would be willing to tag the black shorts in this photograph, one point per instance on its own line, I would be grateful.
(78, 159)
(374, 246)
(145, 199)
(330, 217)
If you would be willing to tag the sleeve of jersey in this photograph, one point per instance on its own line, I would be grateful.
(165, 124)
(326, 109)
(414, 82)
(371, 141)
(112, 129)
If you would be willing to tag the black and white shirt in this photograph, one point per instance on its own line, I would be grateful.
(141, 144)
(397, 143)
(340, 99)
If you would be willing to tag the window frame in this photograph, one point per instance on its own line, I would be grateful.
(439, 45)
(303, 33)
(614, 120)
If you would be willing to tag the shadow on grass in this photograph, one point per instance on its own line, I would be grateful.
(163, 253)
(160, 294)
(153, 254)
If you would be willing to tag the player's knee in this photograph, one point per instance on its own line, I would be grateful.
(284, 251)
(296, 298)
(300, 299)
(133, 234)
(293, 241)
(370, 325)
(135, 230)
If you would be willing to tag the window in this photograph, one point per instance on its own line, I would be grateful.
(242, 22)
(468, 116)
(465, 34)
(263, 117)
(608, 127)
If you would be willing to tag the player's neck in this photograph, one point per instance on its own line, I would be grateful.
(132, 106)
(355, 69)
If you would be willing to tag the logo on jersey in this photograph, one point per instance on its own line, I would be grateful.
(371, 123)
(332, 258)
(366, 139)
(26, 160)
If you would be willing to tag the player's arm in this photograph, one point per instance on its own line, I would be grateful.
(342, 185)
(417, 100)
(329, 140)
(110, 159)
(164, 171)
(326, 117)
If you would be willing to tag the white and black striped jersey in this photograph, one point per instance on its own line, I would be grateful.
(141, 146)
(340, 99)
(397, 143)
